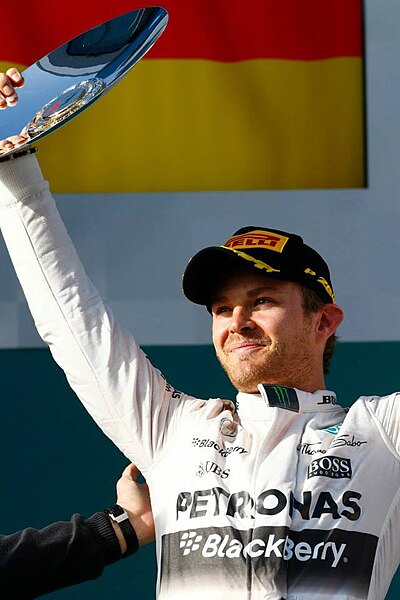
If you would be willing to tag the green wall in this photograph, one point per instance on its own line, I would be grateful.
(55, 461)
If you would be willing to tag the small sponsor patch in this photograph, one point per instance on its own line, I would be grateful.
(328, 399)
(347, 440)
(282, 397)
(334, 430)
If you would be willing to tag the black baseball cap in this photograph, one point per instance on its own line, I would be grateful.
(278, 254)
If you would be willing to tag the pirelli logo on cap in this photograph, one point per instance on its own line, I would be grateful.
(257, 239)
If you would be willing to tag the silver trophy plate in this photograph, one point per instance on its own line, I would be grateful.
(63, 83)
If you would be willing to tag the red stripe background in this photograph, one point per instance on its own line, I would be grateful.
(222, 30)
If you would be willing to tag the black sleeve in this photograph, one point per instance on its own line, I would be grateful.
(35, 562)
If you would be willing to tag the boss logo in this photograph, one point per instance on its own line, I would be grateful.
(330, 466)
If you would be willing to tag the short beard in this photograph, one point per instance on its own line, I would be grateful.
(284, 365)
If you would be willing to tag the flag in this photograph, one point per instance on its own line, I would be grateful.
(233, 96)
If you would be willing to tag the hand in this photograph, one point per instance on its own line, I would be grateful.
(10, 80)
(134, 497)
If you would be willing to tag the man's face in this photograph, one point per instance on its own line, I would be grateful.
(261, 334)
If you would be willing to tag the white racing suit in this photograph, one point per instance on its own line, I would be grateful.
(289, 497)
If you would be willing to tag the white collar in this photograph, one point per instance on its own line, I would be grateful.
(277, 396)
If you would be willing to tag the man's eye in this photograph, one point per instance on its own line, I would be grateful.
(263, 300)
(220, 310)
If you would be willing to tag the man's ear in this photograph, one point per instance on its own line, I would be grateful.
(330, 318)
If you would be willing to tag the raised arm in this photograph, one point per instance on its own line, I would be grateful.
(125, 395)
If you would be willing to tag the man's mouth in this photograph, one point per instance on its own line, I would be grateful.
(244, 347)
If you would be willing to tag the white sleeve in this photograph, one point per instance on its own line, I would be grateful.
(126, 396)
(387, 412)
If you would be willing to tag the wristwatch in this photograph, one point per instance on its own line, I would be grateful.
(119, 515)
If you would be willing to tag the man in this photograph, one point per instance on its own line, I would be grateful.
(35, 562)
(273, 501)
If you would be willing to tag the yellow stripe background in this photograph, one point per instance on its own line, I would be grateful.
(200, 125)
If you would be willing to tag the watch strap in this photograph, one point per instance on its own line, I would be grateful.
(120, 516)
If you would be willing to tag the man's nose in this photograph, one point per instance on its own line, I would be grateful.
(241, 319)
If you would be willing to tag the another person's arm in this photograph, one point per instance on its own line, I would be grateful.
(35, 562)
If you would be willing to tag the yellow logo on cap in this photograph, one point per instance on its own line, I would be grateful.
(257, 263)
(322, 281)
(257, 239)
